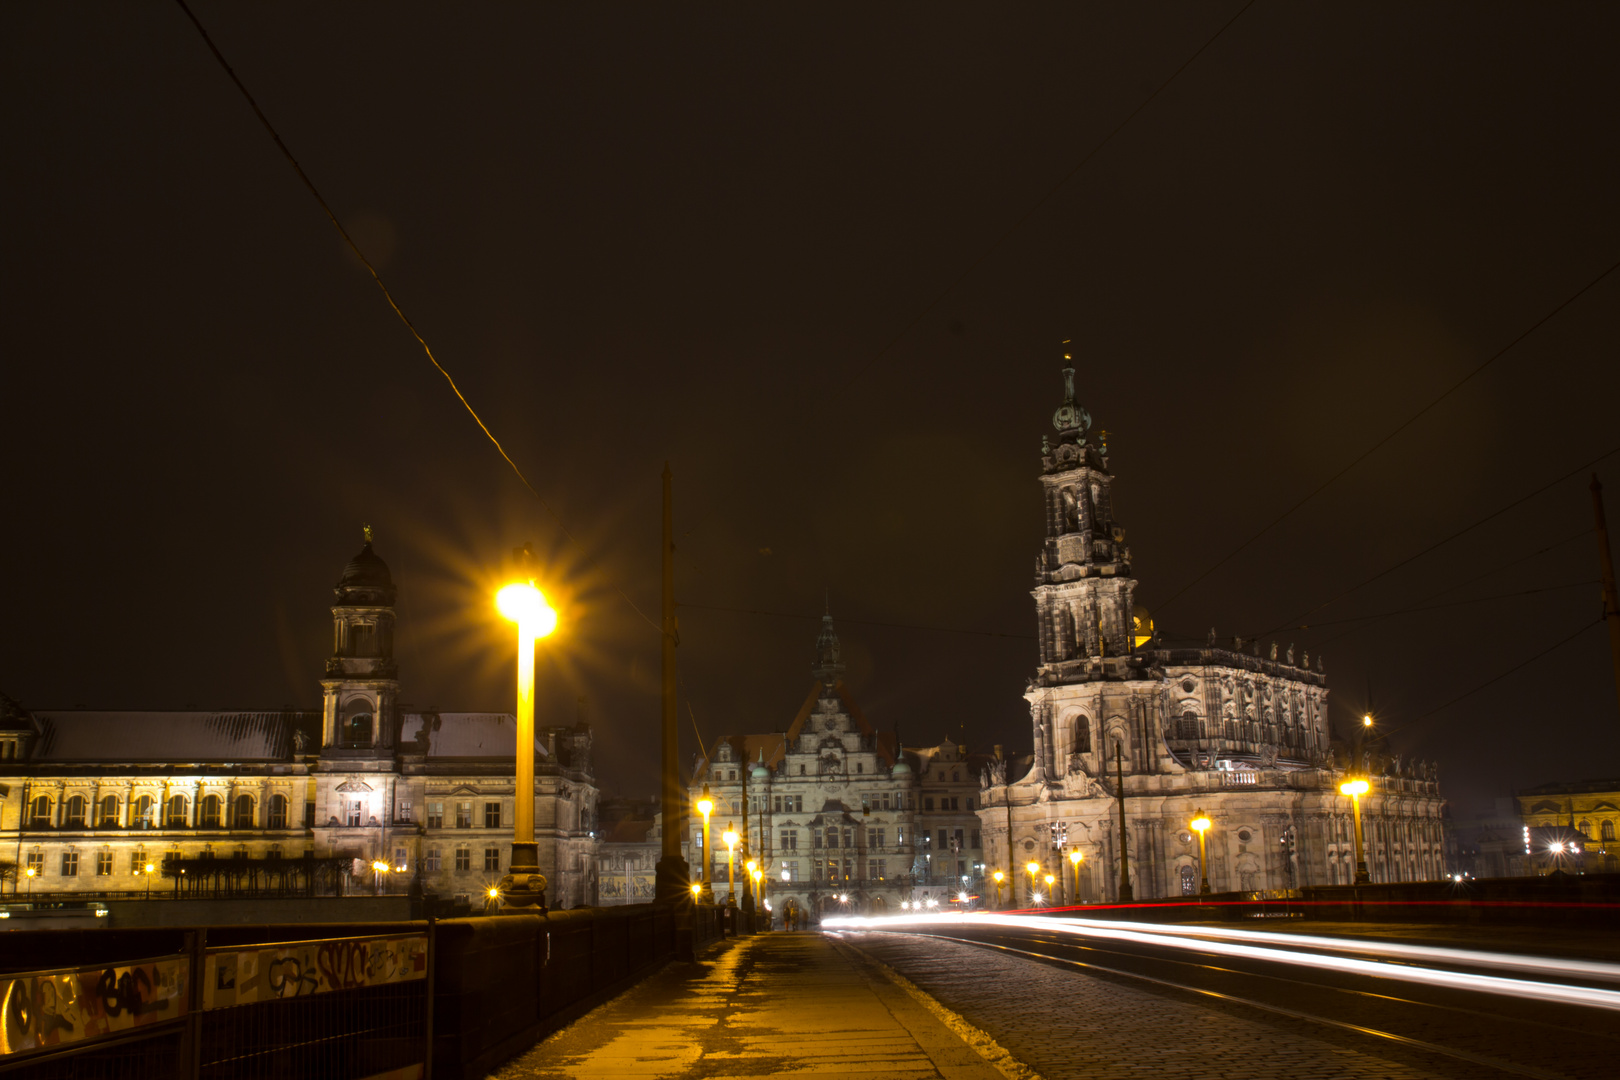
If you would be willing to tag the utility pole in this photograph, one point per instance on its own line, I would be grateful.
(1611, 599)
(1126, 896)
(671, 874)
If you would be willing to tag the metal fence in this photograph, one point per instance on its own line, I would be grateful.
(348, 1007)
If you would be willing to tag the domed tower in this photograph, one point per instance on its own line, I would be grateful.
(362, 681)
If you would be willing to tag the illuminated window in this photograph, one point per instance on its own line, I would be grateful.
(73, 813)
(880, 869)
(107, 815)
(208, 812)
(137, 862)
(103, 864)
(463, 815)
(242, 812)
(1608, 830)
(36, 862)
(353, 811)
(435, 815)
(1189, 881)
(277, 816)
(140, 812)
(177, 816)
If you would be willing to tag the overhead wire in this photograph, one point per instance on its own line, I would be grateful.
(1521, 500)
(1375, 447)
(389, 296)
(1448, 604)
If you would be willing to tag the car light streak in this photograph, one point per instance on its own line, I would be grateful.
(1562, 993)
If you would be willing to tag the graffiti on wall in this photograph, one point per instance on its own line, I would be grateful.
(54, 1008)
(241, 976)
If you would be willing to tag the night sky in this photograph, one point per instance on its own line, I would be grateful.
(820, 260)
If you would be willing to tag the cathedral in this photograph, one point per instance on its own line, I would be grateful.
(1225, 728)
(268, 802)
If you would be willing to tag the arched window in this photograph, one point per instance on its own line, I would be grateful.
(177, 816)
(1082, 734)
(107, 817)
(242, 812)
(140, 812)
(73, 812)
(357, 726)
(1586, 829)
(1608, 830)
(277, 817)
(208, 812)
(40, 815)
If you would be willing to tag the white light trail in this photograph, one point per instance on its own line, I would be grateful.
(1237, 943)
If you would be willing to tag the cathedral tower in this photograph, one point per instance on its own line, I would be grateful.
(1083, 589)
(361, 688)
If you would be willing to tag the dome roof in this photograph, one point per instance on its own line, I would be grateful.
(366, 571)
(901, 768)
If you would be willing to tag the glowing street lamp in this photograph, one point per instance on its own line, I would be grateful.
(1076, 857)
(1200, 825)
(523, 603)
(731, 837)
(1032, 868)
(147, 870)
(705, 805)
(999, 878)
(1356, 789)
(1049, 880)
(378, 869)
(32, 874)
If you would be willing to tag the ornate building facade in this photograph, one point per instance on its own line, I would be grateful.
(88, 799)
(1218, 727)
(840, 815)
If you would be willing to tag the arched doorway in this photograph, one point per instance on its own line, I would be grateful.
(879, 906)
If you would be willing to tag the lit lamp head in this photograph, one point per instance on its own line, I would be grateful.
(493, 892)
(1033, 868)
(1049, 880)
(32, 872)
(705, 803)
(697, 888)
(1354, 787)
(1200, 823)
(753, 867)
(381, 867)
(147, 868)
(526, 605)
(730, 836)
(1076, 857)
(1366, 721)
(999, 876)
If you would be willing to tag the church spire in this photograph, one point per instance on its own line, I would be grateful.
(829, 667)
(1071, 420)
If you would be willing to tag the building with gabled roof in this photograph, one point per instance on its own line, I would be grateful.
(840, 815)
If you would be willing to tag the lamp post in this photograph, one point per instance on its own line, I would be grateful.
(999, 878)
(378, 869)
(730, 837)
(1356, 789)
(1200, 825)
(32, 873)
(1032, 868)
(147, 870)
(521, 602)
(1051, 894)
(1076, 857)
(705, 805)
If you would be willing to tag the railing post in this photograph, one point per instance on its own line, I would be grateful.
(191, 1047)
(427, 1017)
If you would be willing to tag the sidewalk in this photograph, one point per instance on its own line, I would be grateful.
(798, 1005)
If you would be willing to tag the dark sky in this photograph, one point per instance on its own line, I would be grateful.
(725, 236)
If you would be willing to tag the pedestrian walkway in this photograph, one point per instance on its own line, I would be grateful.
(774, 1005)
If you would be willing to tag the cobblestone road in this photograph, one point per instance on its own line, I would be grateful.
(1066, 1023)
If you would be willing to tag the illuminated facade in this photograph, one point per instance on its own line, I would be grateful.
(1571, 827)
(88, 799)
(845, 819)
(1238, 733)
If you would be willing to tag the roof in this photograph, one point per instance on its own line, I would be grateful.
(629, 831)
(466, 735)
(172, 737)
(1577, 787)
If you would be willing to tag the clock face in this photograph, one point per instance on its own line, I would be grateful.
(831, 724)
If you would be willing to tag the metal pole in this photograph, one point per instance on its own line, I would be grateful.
(672, 872)
(1362, 877)
(1611, 598)
(1126, 895)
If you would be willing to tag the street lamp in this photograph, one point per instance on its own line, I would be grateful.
(1049, 890)
(1032, 868)
(378, 869)
(32, 874)
(1200, 825)
(147, 870)
(999, 878)
(1356, 789)
(523, 603)
(705, 805)
(730, 837)
(1076, 857)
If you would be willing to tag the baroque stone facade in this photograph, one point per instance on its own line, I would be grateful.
(1225, 727)
(841, 816)
(88, 799)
